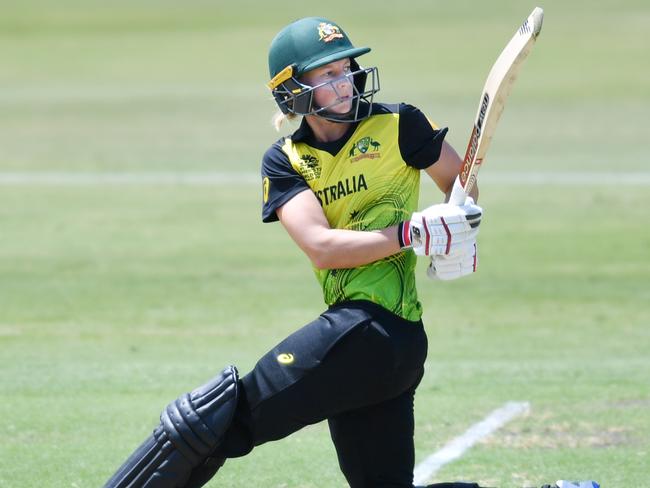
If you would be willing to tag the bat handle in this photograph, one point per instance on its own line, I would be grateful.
(458, 195)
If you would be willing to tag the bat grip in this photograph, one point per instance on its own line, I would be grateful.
(458, 195)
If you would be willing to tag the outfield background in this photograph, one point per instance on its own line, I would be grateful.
(117, 297)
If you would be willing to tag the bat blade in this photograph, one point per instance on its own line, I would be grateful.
(492, 102)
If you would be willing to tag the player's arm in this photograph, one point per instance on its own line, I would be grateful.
(441, 229)
(422, 146)
(328, 248)
(445, 170)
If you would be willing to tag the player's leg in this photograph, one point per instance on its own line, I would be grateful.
(191, 429)
(168, 460)
(375, 447)
(295, 384)
(343, 360)
(347, 359)
(374, 444)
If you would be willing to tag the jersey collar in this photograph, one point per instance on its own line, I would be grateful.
(306, 135)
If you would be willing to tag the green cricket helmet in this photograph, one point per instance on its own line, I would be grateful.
(310, 43)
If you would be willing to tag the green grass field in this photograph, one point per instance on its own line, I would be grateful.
(116, 298)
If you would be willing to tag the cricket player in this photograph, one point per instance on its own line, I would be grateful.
(345, 187)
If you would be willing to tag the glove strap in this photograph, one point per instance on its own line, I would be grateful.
(404, 235)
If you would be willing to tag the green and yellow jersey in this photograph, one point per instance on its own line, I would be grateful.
(367, 180)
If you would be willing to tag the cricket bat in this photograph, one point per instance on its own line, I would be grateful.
(495, 92)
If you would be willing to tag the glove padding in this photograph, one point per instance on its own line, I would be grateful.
(462, 262)
(443, 229)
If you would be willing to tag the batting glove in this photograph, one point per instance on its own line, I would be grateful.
(453, 266)
(441, 229)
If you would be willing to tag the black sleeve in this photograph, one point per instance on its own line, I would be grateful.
(419, 143)
(280, 182)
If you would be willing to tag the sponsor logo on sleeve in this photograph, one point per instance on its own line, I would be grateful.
(285, 358)
(266, 183)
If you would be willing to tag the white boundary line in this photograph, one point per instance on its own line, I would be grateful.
(68, 178)
(455, 448)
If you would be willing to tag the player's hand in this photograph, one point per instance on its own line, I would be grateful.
(441, 229)
(450, 267)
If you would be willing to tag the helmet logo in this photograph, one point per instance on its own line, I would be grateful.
(328, 32)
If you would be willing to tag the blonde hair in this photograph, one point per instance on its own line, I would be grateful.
(279, 119)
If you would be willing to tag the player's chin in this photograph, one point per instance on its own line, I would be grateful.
(342, 107)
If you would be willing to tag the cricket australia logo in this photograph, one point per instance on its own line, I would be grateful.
(328, 32)
(367, 147)
(309, 167)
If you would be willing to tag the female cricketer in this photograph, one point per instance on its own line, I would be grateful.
(345, 187)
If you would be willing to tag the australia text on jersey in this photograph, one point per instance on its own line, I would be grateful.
(344, 187)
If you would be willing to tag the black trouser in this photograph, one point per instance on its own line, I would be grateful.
(357, 365)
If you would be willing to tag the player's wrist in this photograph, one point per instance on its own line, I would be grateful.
(404, 235)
